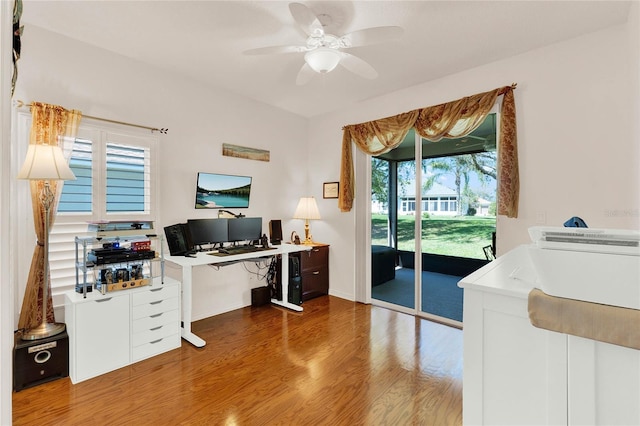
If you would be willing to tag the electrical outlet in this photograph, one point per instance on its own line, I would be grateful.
(541, 218)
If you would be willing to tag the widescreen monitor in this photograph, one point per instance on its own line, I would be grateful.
(245, 229)
(219, 191)
(208, 231)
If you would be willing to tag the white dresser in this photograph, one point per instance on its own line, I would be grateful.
(110, 331)
(517, 374)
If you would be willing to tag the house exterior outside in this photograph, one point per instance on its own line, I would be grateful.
(482, 208)
(438, 201)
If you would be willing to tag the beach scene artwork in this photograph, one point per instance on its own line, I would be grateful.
(215, 191)
(237, 151)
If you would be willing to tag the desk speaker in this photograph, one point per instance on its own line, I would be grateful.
(275, 232)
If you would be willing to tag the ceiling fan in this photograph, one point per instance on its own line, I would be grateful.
(323, 51)
(486, 143)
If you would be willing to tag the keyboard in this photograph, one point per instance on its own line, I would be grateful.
(242, 250)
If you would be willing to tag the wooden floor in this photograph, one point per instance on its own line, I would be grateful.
(338, 363)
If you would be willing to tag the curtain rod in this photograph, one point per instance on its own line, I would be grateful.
(153, 129)
(504, 89)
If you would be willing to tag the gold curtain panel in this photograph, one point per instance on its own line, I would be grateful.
(50, 125)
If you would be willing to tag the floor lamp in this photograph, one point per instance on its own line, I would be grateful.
(307, 209)
(45, 163)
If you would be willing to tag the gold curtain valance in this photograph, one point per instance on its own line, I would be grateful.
(449, 120)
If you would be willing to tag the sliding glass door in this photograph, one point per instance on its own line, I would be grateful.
(393, 227)
(432, 220)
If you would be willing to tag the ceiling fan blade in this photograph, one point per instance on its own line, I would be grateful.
(478, 142)
(307, 20)
(304, 75)
(372, 35)
(275, 50)
(357, 66)
(460, 146)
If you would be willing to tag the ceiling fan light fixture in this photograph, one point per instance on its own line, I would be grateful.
(322, 59)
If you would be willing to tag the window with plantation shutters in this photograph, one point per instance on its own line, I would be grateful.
(127, 179)
(114, 169)
(76, 196)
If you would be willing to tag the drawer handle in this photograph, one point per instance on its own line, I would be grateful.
(156, 341)
(156, 328)
(315, 250)
(104, 300)
(157, 315)
(156, 289)
(316, 272)
(156, 302)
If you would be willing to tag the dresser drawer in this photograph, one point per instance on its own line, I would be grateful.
(156, 333)
(315, 283)
(155, 293)
(155, 307)
(153, 321)
(155, 347)
(315, 258)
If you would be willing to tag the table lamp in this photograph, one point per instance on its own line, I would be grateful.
(307, 209)
(45, 163)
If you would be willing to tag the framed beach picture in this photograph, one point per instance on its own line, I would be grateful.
(330, 190)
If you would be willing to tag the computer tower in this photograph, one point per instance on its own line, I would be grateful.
(40, 361)
(295, 281)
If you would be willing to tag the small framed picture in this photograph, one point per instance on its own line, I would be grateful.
(330, 190)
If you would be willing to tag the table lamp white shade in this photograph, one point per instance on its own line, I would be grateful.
(308, 210)
(45, 162)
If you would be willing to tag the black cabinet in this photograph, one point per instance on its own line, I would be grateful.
(314, 269)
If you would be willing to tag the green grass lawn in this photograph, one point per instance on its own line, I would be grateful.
(462, 236)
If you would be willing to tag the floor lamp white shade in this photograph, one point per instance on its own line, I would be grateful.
(308, 210)
(45, 163)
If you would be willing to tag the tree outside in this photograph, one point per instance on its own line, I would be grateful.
(461, 232)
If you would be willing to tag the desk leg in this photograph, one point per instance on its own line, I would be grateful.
(285, 287)
(187, 300)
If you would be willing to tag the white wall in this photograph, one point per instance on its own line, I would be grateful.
(577, 117)
(59, 70)
(6, 278)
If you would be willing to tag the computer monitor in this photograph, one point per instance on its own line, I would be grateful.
(208, 231)
(245, 229)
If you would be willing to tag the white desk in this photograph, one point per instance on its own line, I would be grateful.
(203, 258)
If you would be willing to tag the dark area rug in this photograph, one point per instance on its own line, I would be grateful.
(440, 293)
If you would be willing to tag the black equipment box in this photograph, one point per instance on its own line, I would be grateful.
(119, 255)
(260, 296)
(40, 361)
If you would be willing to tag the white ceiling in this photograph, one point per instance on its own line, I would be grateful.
(204, 40)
